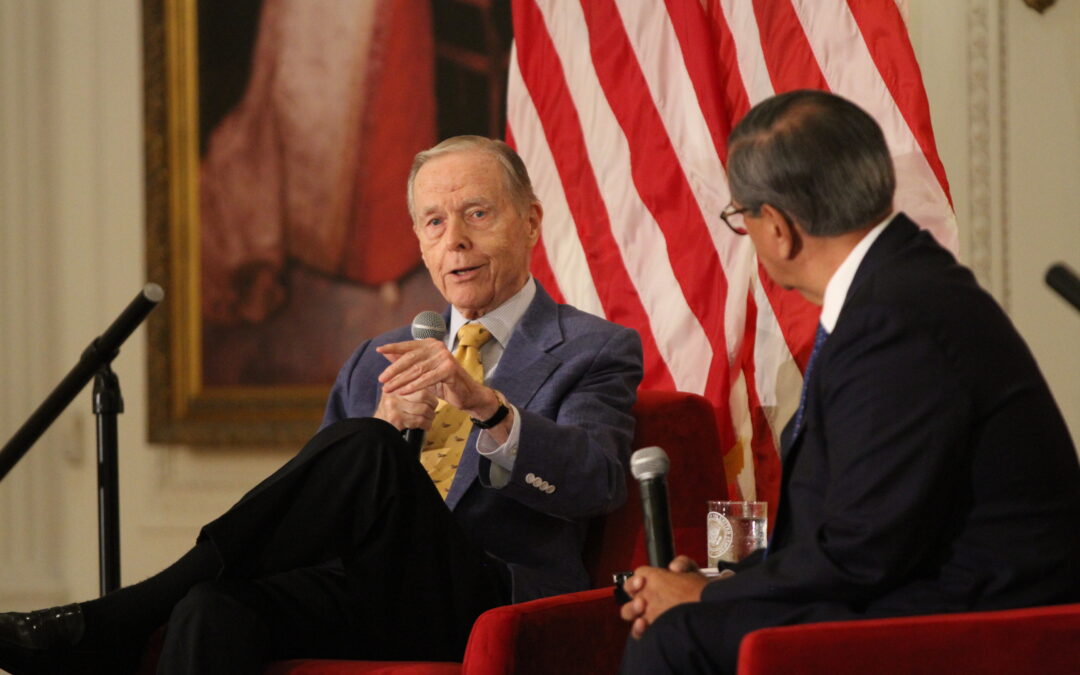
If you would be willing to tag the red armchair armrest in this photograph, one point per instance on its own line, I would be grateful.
(568, 634)
(1016, 642)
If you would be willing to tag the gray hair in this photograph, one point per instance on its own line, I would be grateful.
(816, 157)
(518, 184)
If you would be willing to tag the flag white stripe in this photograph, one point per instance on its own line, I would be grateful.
(561, 242)
(848, 67)
(740, 18)
(679, 336)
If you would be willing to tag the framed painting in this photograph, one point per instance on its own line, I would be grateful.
(278, 140)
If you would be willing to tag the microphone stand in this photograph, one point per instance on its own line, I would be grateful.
(108, 403)
(94, 362)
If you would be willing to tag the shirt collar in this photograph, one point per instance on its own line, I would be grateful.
(500, 321)
(837, 288)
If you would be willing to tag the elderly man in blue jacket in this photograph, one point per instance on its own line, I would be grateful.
(354, 549)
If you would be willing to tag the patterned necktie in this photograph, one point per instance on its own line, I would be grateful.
(819, 339)
(444, 443)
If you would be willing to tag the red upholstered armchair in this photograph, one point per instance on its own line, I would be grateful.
(581, 632)
(1038, 640)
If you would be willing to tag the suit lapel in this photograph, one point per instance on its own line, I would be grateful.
(524, 367)
(527, 363)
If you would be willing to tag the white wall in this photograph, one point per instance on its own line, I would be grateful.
(71, 257)
(1003, 87)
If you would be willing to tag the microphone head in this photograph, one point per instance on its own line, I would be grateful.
(428, 324)
(650, 462)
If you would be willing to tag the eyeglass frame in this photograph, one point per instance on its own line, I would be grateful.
(732, 210)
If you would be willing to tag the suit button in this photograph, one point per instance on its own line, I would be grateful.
(543, 485)
(530, 478)
(549, 489)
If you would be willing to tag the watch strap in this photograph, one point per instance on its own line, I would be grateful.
(498, 416)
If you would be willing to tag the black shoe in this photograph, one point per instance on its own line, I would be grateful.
(54, 628)
(50, 642)
(42, 641)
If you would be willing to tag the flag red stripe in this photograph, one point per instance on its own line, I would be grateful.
(660, 180)
(539, 64)
(790, 59)
(886, 37)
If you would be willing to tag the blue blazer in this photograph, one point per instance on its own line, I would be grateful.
(574, 378)
(933, 471)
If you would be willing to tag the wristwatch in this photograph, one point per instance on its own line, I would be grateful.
(500, 414)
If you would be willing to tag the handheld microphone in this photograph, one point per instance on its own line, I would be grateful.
(427, 324)
(650, 467)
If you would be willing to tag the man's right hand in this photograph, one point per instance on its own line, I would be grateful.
(408, 411)
(654, 590)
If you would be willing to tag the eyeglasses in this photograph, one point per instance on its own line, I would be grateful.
(732, 217)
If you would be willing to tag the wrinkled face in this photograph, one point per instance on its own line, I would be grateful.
(474, 242)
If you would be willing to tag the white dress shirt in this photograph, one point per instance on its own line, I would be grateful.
(839, 283)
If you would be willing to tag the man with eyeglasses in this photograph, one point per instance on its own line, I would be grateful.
(927, 468)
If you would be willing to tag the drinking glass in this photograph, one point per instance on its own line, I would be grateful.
(735, 530)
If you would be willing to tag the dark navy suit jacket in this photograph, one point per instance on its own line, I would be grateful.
(933, 471)
(574, 378)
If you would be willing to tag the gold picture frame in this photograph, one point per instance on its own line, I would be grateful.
(266, 399)
(181, 409)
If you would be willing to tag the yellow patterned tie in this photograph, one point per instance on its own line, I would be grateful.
(445, 441)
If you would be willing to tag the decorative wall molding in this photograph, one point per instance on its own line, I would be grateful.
(987, 253)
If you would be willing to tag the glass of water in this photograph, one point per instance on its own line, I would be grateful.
(735, 530)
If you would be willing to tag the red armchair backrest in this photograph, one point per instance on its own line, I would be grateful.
(684, 425)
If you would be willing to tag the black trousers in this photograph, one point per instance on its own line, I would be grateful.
(347, 551)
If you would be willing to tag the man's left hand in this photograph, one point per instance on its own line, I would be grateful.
(653, 591)
(419, 364)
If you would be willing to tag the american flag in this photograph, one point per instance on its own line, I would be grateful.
(621, 110)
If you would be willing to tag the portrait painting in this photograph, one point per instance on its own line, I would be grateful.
(279, 140)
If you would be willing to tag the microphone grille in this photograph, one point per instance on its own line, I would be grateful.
(428, 324)
(650, 462)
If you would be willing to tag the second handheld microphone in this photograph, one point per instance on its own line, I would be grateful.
(650, 467)
(427, 324)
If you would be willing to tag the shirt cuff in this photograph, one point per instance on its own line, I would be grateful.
(501, 456)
